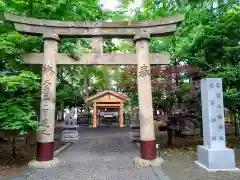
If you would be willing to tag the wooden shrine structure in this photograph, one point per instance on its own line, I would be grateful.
(107, 99)
(52, 31)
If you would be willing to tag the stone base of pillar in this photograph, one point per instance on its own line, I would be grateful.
(43, 164)
(148, 149)
(70, 134)
(45, 151)
(142, 163)
(214, 160)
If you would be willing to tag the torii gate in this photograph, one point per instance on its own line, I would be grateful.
(52, 31)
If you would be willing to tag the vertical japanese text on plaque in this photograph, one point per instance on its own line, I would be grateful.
(216, 104)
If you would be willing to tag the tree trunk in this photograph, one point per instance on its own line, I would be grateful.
(170, 136)
(236, 125)
(30, 6)
(62, 111)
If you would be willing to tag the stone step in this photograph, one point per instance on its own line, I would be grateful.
(70, 126)
(136, 130)
(134, 139)
(135, 127)
(134, 136)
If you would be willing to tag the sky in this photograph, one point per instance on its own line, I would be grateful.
(114, 5)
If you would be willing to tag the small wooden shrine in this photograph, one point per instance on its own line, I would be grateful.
(107, 99)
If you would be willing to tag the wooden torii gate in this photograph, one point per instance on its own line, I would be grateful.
(52, 31)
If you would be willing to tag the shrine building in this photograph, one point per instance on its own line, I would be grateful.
(107, 105)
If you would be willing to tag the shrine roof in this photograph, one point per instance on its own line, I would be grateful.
(101, 94)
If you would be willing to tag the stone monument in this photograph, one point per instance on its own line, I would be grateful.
(135, 126)
(213, 155)
(70, 127)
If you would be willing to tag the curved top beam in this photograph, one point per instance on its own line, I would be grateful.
(77, 24)
(89, 29)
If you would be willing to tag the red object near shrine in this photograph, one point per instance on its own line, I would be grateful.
(131, 84)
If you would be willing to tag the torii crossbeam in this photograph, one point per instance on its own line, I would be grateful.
(96, 59)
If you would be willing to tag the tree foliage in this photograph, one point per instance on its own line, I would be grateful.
(19, 107)
(208, 38)
(16, 110)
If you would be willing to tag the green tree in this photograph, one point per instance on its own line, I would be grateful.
(14, 44)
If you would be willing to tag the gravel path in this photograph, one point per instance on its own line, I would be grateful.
(179, 165)
(107, 154)
(100, 154)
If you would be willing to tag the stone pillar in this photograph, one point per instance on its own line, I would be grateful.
(97, 49)
(121, 118)
(214, 155)
(97, 45)
(45, 136)
(94, 115)
(135, 126)
(147, 134)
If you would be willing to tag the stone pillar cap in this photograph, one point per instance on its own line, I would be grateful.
(51, 36)
(141, 35)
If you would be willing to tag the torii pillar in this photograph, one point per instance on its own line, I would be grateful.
(45, 136)
(147, 133)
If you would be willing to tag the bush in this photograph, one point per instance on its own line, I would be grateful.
(17, 94)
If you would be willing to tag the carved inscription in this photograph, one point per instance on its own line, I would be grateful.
(220, 127)
(218, 85)
(211, 85)
(219, 116)
(212, 102)
(214, 138)
(218, 108)
(144, 71)
(45, 114)
(221, 138)
(213, 115)
(44, 123)
(46, 90)
(47, 69)
(214, 120)
(43, 130)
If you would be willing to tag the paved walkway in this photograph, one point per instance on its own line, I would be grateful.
(107, 154)
(100, 154)
(179, 165)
